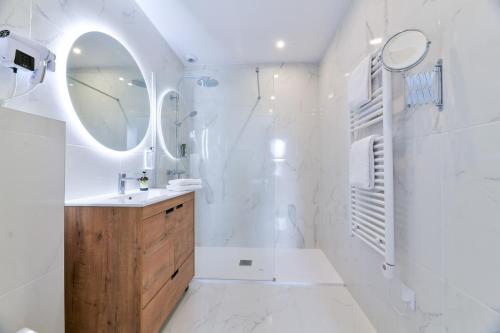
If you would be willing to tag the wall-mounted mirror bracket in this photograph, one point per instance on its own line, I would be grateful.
(425, 88)
(406, 50)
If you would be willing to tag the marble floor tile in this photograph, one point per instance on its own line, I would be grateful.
(219, 307)
(198, 310)
(305, 266)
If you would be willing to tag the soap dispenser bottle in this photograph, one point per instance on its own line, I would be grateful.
(144, 182)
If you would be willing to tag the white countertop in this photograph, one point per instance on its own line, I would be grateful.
(132, 199)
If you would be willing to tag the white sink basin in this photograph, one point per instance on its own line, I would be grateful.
(133, 199)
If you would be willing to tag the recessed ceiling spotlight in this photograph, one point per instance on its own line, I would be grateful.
(121, 78)
(347, 74)
(70, 84)
(130, 84)
(376, 41)
(272, 98)
(77, 50)
(270, 110)
(276, 76)
(191, 58)
(280, 44)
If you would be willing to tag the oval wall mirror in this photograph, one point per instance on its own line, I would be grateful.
(405, 50)
(108, 91)
(171, 110)
(174, 125)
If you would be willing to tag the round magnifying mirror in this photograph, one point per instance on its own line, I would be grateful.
(108, 91)
(405, 50)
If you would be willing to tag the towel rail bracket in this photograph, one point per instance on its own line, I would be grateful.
(388, 270)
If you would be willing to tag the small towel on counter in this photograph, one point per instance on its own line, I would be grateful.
(359, 85)
(362, 164)
(184, 182)
(183, 188)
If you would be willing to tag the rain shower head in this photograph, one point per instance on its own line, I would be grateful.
(207, 82)
(138, 83)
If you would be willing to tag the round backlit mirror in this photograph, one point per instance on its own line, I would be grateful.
(405, 50)
(108, 91)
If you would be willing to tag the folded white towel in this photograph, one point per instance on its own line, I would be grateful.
(359, 86)
(361, 163)
(184, 182)
(184, 188)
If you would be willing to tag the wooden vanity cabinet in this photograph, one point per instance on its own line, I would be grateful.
(127, 268)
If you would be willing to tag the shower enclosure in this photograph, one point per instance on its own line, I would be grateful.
(252, 137)
(228, 148)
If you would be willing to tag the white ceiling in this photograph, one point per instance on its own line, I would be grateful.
(245, 31)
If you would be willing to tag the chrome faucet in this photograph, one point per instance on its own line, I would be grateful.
(122, 181)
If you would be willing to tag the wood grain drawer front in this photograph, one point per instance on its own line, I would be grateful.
(157, 208)
(184, 232)
(158, 268)
(157, 229)
(158, 310)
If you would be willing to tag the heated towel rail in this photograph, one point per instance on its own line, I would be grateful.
(372, 211)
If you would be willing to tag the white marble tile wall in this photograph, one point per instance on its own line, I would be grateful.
(447, 170)
(90, 169)
(253, 196)
(31, 223)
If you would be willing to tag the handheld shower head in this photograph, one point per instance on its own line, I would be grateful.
(138, 83)
(191, 114)
(207, 82)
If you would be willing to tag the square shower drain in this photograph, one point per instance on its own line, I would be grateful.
(245, 262)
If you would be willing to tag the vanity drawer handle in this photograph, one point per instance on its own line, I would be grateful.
(179, 206)
(168, 211)
(173, 275)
